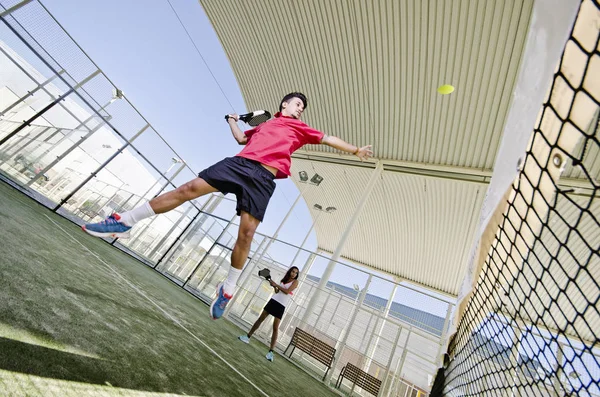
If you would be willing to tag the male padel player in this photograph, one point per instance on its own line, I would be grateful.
(249, 175)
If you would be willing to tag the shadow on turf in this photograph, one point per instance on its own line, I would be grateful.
(132, 309)
(26, 358)
(41, 361)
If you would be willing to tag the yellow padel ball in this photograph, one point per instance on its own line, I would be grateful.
(445, 89)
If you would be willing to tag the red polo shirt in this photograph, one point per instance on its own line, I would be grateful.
(273, 142)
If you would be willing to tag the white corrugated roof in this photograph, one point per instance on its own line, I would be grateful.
(413, 226)
(370, 70)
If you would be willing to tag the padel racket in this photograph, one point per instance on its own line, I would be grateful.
(265, 273)
(254, 118)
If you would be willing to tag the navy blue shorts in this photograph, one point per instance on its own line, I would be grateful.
(252, 184)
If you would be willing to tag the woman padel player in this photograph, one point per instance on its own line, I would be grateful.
(275, 307)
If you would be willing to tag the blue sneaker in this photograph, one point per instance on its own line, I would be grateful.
(110, 227)
(218, 305)
(269, 356)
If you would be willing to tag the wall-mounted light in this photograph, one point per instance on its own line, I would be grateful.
(316, 179)
(328, 210)
(117, 93)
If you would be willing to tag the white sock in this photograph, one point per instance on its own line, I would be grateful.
(232, 278)
(142, 212)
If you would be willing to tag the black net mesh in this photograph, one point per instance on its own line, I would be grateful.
(531, 326)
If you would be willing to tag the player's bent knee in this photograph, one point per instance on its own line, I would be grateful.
(195, 188)
(186, 192)
(246, 234)
(199, 187)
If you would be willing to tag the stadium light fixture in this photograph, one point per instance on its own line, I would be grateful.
(328, 210)
(316, 179)
(117, 93)
(303, 176)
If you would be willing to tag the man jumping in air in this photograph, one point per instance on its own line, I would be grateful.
(249, 175)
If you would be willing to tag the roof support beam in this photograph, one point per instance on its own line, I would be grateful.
(578, 186)
(342, 242)
(407, 167)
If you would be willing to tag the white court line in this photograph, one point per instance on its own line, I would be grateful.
(160, 308)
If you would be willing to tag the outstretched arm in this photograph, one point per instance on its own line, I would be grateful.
(362, 152)
(239, 136)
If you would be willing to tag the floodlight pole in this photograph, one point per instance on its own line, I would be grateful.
(400, 364)
(342, 343)
(342, 242)
(372, 346)
(388, 367)
(306, 268)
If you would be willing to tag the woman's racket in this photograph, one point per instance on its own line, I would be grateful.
(254, 118)
(265, 273)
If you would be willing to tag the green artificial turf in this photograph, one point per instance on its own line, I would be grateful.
(71, 323)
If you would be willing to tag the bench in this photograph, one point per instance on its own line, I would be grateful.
(314, 347)
(359, 378)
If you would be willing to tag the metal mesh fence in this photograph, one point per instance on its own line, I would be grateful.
(531, 327)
